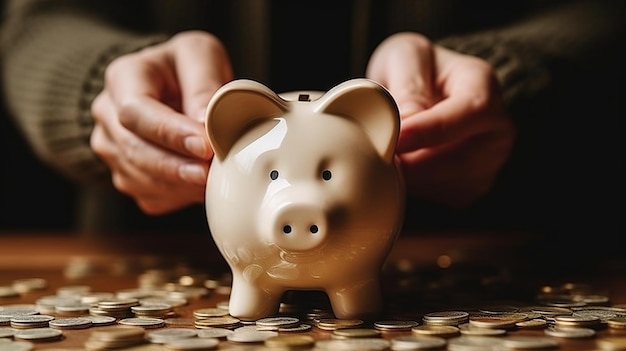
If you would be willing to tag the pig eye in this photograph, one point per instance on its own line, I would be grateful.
(326, 175)
(273, 174)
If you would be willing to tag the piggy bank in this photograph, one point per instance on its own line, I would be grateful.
(304, 193)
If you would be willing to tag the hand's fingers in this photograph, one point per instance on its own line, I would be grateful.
(405, 65)
(138, 84)
(469, 98)
(159, 124)
(163, 165)
(202, 66)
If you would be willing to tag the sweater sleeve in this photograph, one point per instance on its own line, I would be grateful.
(53, 62)
(525, 54)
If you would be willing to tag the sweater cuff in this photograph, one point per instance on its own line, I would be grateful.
(519, 70)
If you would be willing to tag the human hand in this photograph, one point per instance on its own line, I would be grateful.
(455, 132)
(149, 117)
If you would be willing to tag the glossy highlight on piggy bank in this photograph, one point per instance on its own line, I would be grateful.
(304, 193)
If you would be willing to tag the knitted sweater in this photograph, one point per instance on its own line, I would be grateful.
(54, 52)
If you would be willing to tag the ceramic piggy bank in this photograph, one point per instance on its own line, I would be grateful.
(304, 193)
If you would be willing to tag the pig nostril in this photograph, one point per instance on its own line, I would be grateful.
(287, 229)
(314, 229)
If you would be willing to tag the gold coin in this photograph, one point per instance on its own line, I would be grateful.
(336, 323)
(356, 333)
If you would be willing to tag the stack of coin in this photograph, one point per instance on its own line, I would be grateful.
(155, 310)
(70, 323)
(115, 337)
(337, 323)
(118, 308)
(275, 323)
(577, 321)
(144, 322)
(30, 321)
(227, 322)
(446, 318)
(395, 325)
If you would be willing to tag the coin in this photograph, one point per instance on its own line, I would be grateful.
(209, 313)
(273, 323)
(351, 333)
(162, 336)
(192, 344)
(570, 332)
(217, 333)
(251, 336)
(336, 323)
(70, 323)
(410, 342)
(17, 346)
(444, 331)
(395, 325)
(39, 334)
(144, 322)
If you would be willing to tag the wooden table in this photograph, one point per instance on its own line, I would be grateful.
(426, 272)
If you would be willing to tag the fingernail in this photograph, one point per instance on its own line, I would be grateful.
(193, 173)
(197, 146)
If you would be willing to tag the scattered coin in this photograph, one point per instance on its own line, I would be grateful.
(163, 336)
(444, 331)
(17, 346)
(70, 323)
(144, 322)
(410, 342)
(395, 325)
(217, 333)
(570, 332)
(39, 334)
(192, 344)
(251, 336)
(336, 323)
(351, 333)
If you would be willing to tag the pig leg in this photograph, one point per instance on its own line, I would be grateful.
(361, 300)
(250, 302)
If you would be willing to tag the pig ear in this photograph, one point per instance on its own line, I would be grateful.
(369, 104)
(234, 107)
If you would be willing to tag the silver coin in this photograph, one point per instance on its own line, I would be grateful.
(250, 336)
(395, 325)
(100, 320)
(277, 322)
(38, 334)
(6, 332)
(17, 346)
(217, 333)
(170, 334)
(297, 329)
(70, 323)
(143, 322)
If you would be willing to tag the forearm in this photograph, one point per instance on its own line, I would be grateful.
(526, 54)
(53, 65)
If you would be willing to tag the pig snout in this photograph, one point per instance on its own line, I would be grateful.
(295, 224)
